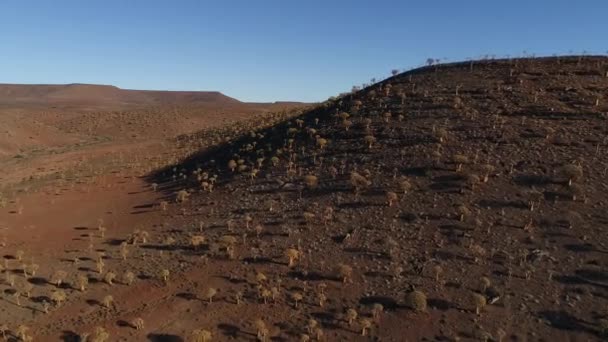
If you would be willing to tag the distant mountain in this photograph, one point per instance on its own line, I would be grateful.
(101, 96)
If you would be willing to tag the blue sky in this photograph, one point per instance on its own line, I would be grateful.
(275, 50)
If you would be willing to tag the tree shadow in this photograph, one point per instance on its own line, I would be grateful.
(93, 302)
(123, 323)
(187, 296)
(387, 302)
(564, 321)
(440, 304)
(164, 338)
(70, 336)
(308, 276)
(37, 281)
(229, 330)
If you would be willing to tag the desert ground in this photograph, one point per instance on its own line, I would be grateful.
(453, 202)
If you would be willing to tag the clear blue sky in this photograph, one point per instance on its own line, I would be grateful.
(271, 50)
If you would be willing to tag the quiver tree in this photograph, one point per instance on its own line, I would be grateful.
(19, 255)
(459, 160)
(124, 250)
(261, 329)
(196, 241)
(571, 173)
(366, 325)
(312, 325)
(369, 140)
(138, 323)
(17, 296)
(405, 185)
(479, 301)
(296, 297)
(441, 134)
(100, 265)
(128, 278)
(58, 297)
(232, 165)
(264, 293)
(4, 330)
(22, 331)
(201, 335)
(321, 298)
(391, 198)
(377, 309)
(351, 316)
(238, 297)
(437, 271)
(344, 273)
(33, 268)
(500, 335)
(293, 255)
(359, 182)
(321, 142)
(164, 274)
(27, 289)
(100, 335)
(311, 181)
(210, 293)
(484, 284)
(486, 170)
(58, 277)
(387, 116)
(462, 212)
(107, 301)
(181, 196)
(109, 277)
(82, 281)
(163, 205)
(534, 198)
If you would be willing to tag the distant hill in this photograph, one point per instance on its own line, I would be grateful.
(92, 95)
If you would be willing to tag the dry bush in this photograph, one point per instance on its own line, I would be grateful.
(416, 300)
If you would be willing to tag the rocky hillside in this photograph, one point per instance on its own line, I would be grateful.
(459, 201)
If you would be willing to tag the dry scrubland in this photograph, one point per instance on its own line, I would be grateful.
(453, 202)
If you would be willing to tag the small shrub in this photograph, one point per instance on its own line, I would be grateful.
(416, 300)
